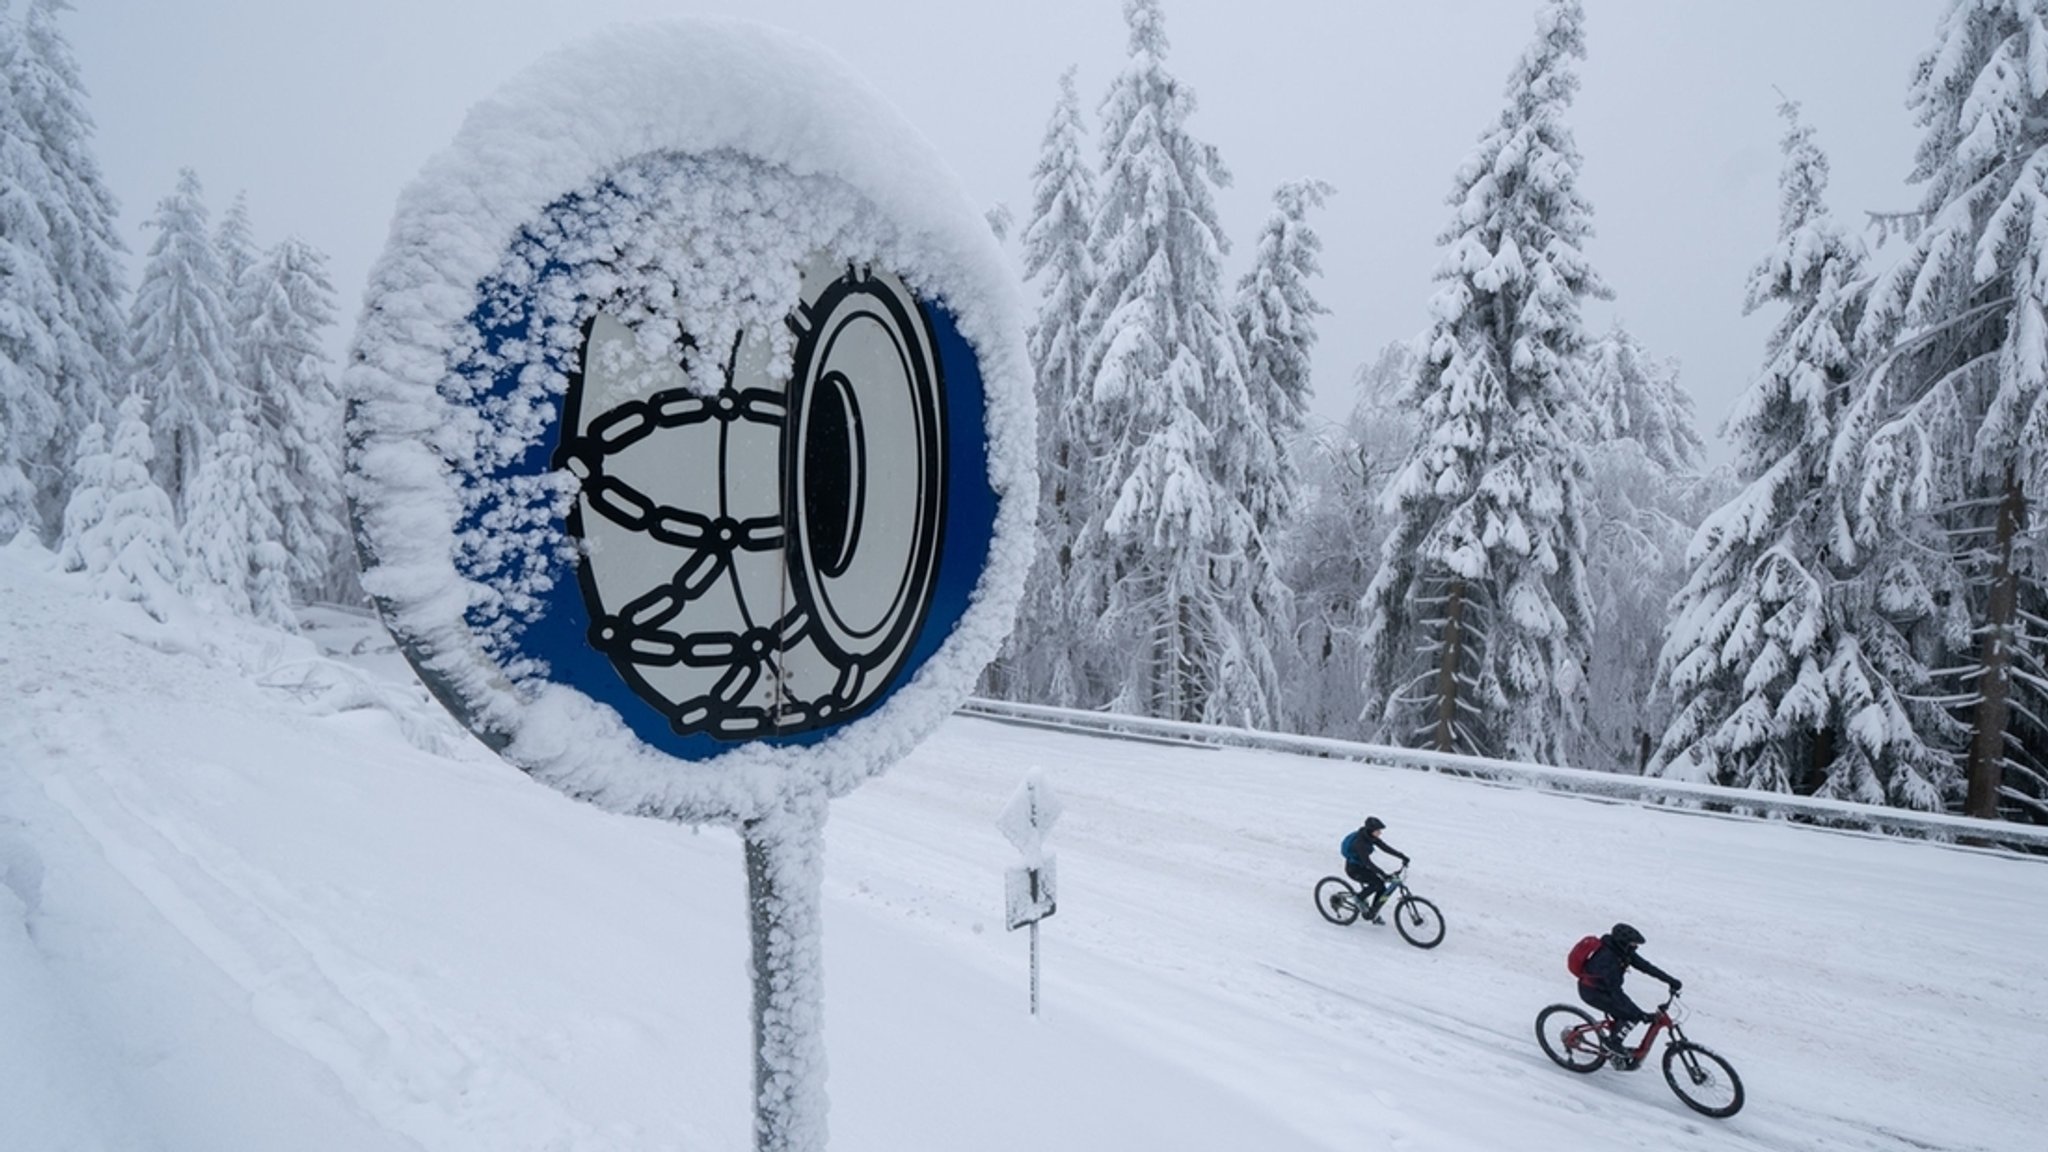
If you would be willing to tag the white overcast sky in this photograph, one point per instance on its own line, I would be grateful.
(322, 111)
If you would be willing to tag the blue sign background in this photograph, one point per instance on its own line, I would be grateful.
(557, 636)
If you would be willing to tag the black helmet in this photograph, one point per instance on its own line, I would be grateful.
(1374, 824)
(1626, 936)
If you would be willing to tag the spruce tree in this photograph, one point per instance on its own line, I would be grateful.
(82, 316)
(232, 538)
(118, 528)
(1275, 313)
(1047, 653)
(1165, 549)
(1332, 545)
(1631, 395)
(1644, 495)
(92, 488)
(1782, 677)
(296, 413)
(1947, 445)
(180, 350)
(29, 360)
(223, 515)
(235, 243)
(1480, 619)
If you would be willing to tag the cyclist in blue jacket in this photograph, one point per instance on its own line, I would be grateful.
(1358, 850)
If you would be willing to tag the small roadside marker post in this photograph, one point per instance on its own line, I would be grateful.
(1030, 890)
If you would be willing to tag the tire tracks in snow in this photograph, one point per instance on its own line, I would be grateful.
(131, 789)
(1780, 1136)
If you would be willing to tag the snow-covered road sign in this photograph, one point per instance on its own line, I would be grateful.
(692, 455)
(1030, 894)
(691, 426)
(1032, 811)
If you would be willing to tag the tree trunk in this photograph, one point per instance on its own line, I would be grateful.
(1986, 765)
(1447, 668)
(1820, 757)
(1186, 705)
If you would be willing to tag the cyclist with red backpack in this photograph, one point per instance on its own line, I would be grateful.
(1358, 865)
(1600, 963)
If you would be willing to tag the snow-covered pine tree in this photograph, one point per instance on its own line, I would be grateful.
(28, 412)
(1385, 426)
(231, 536)
(80, 314)
(1644, 495)
(119, 528)
(1047, 654)
(92, 486)
(17, 495)
(179, 344)
(1275, 313)
(1166, 547)
(235, 242)
(1948, 443)
(1633, 396)
(1479, 615)
(297, 414)
(1332, 545)
(234, 246)
(1779, 679)
(29, 364)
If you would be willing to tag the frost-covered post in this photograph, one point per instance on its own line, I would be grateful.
(785, 871)
(1030, 891)
(691, 457)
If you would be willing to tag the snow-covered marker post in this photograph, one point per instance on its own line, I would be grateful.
(1030, 890)
(691, 455)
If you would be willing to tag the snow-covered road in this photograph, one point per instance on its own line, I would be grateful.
(242, 910)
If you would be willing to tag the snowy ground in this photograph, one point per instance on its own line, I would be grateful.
(256, 899)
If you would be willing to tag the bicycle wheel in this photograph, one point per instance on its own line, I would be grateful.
(1570, 1037)
(1336, 901)
(1419, 921)
(1707, 1083)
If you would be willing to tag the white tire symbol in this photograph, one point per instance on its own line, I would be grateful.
(761, 561)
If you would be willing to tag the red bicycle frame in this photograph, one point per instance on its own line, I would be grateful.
(1641, 1052)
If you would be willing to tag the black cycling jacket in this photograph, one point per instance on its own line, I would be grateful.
(1609, 963)
(1362, 845)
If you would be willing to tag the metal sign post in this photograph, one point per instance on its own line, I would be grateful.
(1031, 891)
(783, 884)
(691, 456)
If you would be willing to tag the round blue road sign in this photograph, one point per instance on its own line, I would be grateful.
(691, 454)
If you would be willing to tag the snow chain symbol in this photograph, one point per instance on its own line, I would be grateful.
(760, 561)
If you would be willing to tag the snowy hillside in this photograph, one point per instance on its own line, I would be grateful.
(259, 899)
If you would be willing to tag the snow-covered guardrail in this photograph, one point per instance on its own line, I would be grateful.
(1575, 781)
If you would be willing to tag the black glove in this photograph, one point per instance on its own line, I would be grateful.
(1676, 985)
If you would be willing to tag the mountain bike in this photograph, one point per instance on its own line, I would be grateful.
(1419, 922)
(1708, 1084)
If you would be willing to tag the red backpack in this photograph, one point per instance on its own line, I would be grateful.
(1580, 953)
